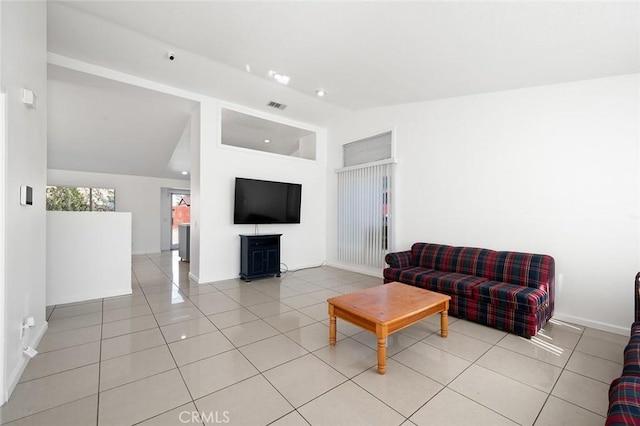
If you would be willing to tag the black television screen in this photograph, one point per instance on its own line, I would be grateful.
(261, 201)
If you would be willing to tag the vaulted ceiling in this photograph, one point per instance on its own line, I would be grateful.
(99, 125)
(364, 54)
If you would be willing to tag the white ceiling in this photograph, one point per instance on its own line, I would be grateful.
(371, 54)
(364, 54)
(99, 125)
(104, 126)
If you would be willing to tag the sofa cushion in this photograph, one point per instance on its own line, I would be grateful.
(511, 296)
(526, 269)
(473, 261)
(465, 260)
(430, 256)
(450, 282)
(429, 279)
(408, 275)
(624, 404)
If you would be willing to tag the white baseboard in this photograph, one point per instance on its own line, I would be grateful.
(592, 324)
(291, 269)
(22, 365)
(301, 267)
(370, 272)
(90, 296)
(359, 269)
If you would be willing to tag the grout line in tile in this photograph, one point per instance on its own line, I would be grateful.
(138, 269)
(171, 353)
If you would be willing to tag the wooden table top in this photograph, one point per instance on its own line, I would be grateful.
(389, 302)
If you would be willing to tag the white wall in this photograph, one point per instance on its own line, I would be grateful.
(307, 147)
(3, 144)
(302, 245)
(136, 194)
(194, 251)
(212, 181)
(23, 50)
(551, 169)
(88, 256)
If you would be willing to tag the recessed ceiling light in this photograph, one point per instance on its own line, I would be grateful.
(320, 92)
(267, 140)
(247, 67)
(280, 78)
(185, 173)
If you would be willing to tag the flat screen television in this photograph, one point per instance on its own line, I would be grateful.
(260, 202)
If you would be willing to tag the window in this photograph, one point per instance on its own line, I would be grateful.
(249, 132)
(364, 201)
(368, 150)
(78, 199)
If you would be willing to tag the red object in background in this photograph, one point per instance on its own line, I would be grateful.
(180, 214)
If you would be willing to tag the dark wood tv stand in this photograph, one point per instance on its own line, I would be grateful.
(259, 256)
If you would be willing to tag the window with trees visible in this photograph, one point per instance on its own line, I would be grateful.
(77, 199)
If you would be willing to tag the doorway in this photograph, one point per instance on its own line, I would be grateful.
(180, 213)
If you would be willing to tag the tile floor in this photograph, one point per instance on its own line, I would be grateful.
(257, 353)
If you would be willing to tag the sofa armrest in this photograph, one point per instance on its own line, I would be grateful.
(624, 405)
(637, 298)
(401, 259)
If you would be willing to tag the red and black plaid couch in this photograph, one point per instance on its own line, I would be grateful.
(504, 289)
(624, 392)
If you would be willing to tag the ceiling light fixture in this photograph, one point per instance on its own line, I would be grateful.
(320, 92)
(247, 67)
(280, 78)
(185, 173)
(267, 140)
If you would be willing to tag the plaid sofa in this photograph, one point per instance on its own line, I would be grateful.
(624, 392)
(503, 289)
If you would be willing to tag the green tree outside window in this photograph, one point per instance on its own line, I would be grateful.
(63, 198)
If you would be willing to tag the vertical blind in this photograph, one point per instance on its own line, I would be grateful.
(364, 196)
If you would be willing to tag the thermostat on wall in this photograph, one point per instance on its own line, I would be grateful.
(26, 195)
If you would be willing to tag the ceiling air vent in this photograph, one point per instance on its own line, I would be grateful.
(276, 105)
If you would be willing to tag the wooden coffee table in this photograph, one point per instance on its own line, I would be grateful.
(386, 309)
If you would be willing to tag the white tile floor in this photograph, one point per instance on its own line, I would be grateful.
(257, 353)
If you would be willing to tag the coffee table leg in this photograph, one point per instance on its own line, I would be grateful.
(382, 333)
(382, 355)
(444, 323)
(332, 327)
